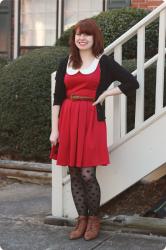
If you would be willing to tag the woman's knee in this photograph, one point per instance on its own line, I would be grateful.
(88, 175)
(74, 173)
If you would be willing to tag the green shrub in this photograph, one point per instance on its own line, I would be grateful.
(25, 104)
(115, 22)
(3, 61)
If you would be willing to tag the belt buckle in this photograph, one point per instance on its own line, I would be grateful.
(72, 97)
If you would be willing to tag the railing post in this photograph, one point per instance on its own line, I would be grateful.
(116, 100)
(122, 100)
(57, 173)
(113, 107)
(109, 119)
(115, 119)
(139, 113)
(160, 62)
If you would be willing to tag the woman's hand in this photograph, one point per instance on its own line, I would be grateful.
(54, 137)
(108, 92)
(100, 99)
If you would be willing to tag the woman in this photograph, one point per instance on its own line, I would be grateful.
(79, 128)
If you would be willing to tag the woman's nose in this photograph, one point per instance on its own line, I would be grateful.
(82, 36)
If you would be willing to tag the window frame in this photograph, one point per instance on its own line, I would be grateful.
(30, 47)
(115, 4)
(104, 4)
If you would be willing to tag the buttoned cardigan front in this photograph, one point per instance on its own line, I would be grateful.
(110, 71)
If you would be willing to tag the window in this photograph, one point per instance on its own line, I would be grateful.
(113, 4)
(5, 28)
(80, 9)
(38, 22)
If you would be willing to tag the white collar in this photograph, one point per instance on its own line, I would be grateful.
(86, 71)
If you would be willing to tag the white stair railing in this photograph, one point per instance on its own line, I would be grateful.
(118, 103)
(116, 108)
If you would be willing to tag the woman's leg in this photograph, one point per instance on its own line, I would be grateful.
(93, 194)
(92, 189)
(78, 191)
(79, 198)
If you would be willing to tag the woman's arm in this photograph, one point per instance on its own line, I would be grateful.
(55, 133)
(113, 91)
(129, 83)
(59, 95)
(60, 91)
(55, 113)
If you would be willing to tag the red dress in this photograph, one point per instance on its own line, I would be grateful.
(82, 138)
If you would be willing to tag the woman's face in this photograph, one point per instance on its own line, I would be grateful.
(83, 41)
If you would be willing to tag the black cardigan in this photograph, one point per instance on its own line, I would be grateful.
(110, 71)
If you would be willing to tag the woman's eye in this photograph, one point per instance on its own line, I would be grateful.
(79, 34)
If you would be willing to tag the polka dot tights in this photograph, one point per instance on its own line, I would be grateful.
(85, 190)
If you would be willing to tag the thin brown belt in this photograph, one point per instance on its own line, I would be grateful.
(84, 98)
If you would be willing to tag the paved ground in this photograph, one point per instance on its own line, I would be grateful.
(23, 208)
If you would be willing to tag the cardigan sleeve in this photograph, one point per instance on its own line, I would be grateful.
(60, 91)
(129, 84)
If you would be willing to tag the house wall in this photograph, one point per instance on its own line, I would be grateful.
(151, 4)
(145, 4)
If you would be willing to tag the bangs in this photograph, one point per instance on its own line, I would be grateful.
(85, 28)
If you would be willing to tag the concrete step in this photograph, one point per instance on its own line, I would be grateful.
(32, 172)
(122, 223)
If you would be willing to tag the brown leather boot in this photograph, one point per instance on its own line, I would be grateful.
(80, 227)
(93, 228)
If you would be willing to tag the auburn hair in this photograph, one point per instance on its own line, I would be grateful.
(89, 27)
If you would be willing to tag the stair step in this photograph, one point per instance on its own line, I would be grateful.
(24, 165)
(123, 223)
(151, 225)
(32, 172)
